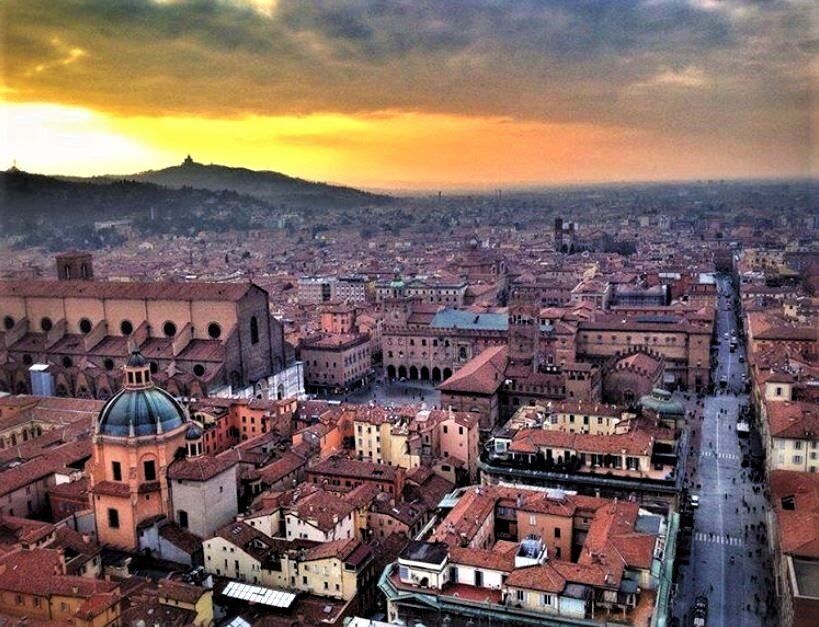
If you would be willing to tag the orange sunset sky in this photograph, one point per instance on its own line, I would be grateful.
(412, 94)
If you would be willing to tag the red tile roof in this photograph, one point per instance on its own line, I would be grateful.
(201, 468)
(482, 375)
(795, 497)
(159, 290)
(793, 419)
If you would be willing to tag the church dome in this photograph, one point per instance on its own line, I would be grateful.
(147, 411)
(140, 408)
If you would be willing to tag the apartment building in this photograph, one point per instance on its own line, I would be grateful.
(337, 569)
(521, 556)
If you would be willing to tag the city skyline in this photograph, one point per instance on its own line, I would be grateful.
(409, 96)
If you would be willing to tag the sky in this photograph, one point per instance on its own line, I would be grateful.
(410, 94)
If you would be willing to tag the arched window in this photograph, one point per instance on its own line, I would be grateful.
(84, 271)
(66, 272)
(254, 330)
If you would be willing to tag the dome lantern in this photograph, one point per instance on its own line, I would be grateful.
(140, 408)
(137, 372)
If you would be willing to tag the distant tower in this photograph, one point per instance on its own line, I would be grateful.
(188, 161)
(564, 236)
(558, 235)
(75, 265)
(524, 328)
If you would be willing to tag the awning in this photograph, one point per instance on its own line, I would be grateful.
(257, 594)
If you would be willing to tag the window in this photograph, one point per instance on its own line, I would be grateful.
(116, 470)
(521, 595)
(126, 328)
(254, 330)
(108, 364)
(85, 325)
(797, 459)
(214, 330)
(113, 518)
(532, 519)
(8, 322)
(46, 324)
(149, 467)
(547, 599)
(169, 329)
(557, 532)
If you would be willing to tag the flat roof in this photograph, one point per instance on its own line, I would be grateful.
(463, 319)
(426, 552)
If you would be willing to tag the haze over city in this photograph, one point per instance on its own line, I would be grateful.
(413, 94)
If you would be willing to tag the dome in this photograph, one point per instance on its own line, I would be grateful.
(136, 412)
(193, 433)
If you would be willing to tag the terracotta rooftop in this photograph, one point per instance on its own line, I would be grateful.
(159, 290)
(793, 419)
(483, 374)
(201, 468)
(795, 497)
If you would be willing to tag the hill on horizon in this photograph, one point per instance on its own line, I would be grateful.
(267, 185)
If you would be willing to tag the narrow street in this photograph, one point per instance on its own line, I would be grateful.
(729, 562)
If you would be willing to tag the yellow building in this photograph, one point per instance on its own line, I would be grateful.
(34, 584)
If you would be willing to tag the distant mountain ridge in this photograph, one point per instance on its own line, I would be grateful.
(273, 187)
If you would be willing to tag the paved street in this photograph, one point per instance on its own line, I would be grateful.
(386, 392)
(729, 564)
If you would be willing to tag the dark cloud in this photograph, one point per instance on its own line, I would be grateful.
(697, 66)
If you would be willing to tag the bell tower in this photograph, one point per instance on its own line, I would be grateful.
(524, 327)
(75, 265)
